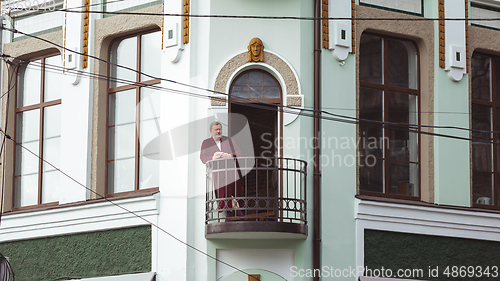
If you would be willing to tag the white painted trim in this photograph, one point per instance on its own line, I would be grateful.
(263, 66)
(126, 277)
(18, 8)
(488, 3)
(277, 261)
(77, 219)
(291, 68)
(288, 117)
(422, 220)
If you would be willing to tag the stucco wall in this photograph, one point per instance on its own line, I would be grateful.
(393, 250)
(94, 254)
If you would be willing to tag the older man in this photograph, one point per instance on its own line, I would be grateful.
(227, 179)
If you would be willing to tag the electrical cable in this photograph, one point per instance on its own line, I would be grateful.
(68, 10)
(220, 93)
(9, 88)
(221, 16)
(121, 207)
(346, 121)
(5, 135)
(2, 146)
(97, 4)
(275, 17)
(367, 122)
(130, 82)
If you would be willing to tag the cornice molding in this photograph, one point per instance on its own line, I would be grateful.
(428, 220)
(81, 218)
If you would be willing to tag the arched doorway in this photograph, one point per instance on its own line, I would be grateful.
(256, 94)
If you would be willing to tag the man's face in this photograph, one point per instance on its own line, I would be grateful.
(216, 132)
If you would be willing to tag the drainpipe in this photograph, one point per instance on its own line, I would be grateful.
(317, 143)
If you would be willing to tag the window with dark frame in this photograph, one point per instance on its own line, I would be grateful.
(133, 114)
(256, 94)
(252, 87)
(38, 128)
(389, 110)
(486, 118)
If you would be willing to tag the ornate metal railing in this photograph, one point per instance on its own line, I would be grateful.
(256, 189)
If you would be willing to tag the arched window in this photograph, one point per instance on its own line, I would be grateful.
(258, 85)
(132, 122)
(38, 128)
(388, 94)
(256, 95)
(247, 92)
(485, 75)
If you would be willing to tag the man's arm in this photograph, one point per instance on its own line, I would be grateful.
(206, 153)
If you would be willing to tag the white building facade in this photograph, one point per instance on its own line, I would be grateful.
(107, 104)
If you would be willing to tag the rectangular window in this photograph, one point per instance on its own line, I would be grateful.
(413, 7)
(485, 119)
(389, 115)
(478, 11)
(134, 114)
(38, 128)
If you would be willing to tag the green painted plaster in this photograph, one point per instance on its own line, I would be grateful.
(293, 41)
(430, 9)
(92, 254)
(395, 251)
(338, 167)
(50, 30)
(451, 156)
(395, 10)
(281, 37)
(131, 9)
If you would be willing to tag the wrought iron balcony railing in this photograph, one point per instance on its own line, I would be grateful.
(256, 194)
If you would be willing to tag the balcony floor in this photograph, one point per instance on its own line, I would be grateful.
(255, 230)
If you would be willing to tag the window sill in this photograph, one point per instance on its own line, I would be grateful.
(134, 193)
(388, 195)
(52, 206)
(78, 217)
(416, 202)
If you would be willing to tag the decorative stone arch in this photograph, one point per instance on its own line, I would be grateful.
(274, 65)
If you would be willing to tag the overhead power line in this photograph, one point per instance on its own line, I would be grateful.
(120, 206)
(2, 146)
(282, 108)
(287, 109)
(415, 18)
(292, 109)
(339, 118)
(276, 17)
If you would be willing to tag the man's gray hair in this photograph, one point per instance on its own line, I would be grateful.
(214, 123)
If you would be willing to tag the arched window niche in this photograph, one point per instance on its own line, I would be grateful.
(274, 65)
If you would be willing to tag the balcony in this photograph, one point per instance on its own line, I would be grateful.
(256, 198)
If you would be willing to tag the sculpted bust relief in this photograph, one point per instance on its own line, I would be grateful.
(255, 50)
